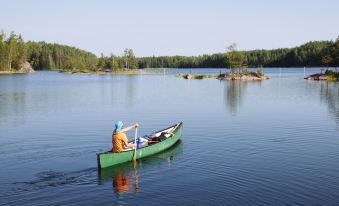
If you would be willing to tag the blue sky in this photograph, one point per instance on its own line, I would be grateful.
(173, 27)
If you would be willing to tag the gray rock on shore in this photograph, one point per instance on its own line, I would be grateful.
(26, 68)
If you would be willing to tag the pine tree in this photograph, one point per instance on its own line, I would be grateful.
(133, 64)
(2, 51)
(11, 50)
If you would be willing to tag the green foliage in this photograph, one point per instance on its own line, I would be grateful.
(260, 72)
(44, 55)
(332, 75)
(41, 55)
(309, 54)
(235, 59)
(334, 53)
(130, 60)
(3, 51)
(202, 61)
(195, 76)
(13, 52)
(101, 62)
(113, 63)
(326, 60)
(198, 76)
(245, 71)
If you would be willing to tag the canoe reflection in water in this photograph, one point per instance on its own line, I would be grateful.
(125, 177)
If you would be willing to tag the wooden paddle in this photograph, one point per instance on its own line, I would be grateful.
(135, 144)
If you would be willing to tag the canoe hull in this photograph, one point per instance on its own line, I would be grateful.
(108, 159)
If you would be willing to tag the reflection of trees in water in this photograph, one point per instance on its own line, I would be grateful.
(12, 103)
(234, 95)
(13, 97)
(131, 81)
(329, 92)
(118, 88)
(125, 177)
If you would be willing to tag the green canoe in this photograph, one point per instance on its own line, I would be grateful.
(169, 137)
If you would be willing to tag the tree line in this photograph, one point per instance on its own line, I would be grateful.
(311, 54)
(41, 55)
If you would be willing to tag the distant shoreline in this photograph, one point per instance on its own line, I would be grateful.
(67, 58)
(121, 71)
(327, 76)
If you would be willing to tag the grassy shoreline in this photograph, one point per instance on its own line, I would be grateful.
(196, 76)
(13, 72)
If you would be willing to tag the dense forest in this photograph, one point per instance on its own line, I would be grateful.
(311, 54)
(41, 55)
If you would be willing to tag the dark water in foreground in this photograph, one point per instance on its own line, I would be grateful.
(274, 142)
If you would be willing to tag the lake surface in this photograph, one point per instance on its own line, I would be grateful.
(274, 142)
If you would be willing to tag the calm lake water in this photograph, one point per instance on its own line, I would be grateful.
(274, 142)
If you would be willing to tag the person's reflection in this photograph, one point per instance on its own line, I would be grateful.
(120, 183)
(123, 181)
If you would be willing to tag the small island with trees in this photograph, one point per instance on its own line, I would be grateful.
(330, 59)
(329, 75)
(237, 63)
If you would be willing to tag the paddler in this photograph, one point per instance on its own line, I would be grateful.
(119, 138)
